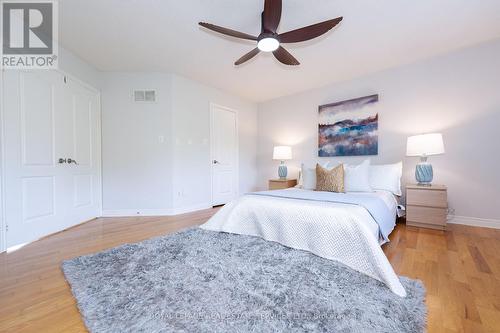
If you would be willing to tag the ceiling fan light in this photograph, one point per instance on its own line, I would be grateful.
(268, 44)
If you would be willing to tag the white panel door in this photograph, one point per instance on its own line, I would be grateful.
(224, 142)
(84, 155)
(43, 124)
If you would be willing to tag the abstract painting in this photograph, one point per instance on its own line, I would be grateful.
(349, 128)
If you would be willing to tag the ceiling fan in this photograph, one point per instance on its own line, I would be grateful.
(269, 40)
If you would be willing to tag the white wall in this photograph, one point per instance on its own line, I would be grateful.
(191, 137)
(457, 94)
(143, 175)
(75, 66)
(136, 145)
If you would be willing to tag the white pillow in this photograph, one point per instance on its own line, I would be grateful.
(357, 177)
(307, 178)
(387, 177)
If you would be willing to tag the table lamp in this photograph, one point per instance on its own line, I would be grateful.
(282, 153)
(423, 146)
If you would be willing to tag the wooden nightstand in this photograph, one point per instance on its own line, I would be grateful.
(281, 184)
(426, 206)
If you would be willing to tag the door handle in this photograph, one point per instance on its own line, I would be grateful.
(216, 162)
(72, 161)
(62, 161)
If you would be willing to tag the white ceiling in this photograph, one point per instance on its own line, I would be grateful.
(163, 35)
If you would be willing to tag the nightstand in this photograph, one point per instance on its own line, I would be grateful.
(426, 206)
(281, 184)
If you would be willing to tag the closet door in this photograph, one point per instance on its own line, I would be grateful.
(82, 149)
(44, 127)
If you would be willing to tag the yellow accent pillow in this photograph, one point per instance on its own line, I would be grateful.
(330, 180)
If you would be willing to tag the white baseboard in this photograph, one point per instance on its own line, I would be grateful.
(135, 212)
(189, 209)
(474, 221)
(153, 212)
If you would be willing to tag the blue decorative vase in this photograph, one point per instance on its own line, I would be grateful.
(282, 170)
(424, 173)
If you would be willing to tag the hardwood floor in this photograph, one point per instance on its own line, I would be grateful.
(460, 269)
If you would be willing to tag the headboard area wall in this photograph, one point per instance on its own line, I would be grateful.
(457, 94)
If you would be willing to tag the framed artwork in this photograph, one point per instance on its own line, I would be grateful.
(348, 128)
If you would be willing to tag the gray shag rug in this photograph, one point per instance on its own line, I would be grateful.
(204, 281)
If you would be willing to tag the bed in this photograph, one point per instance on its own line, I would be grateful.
(346, 227)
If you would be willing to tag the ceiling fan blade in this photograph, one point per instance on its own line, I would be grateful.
(226, 31)
(285, 57)
(271, 16)
(310, 32)
(247, 56)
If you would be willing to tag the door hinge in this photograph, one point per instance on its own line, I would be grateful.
(65, 79)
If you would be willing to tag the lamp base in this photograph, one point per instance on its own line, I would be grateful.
(282, 171)
(424, 174)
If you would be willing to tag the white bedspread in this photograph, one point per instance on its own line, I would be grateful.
(334, 231)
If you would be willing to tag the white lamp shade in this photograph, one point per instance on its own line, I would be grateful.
(425, 145)
(282, 153)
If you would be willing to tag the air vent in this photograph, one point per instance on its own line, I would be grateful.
(145, 96)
